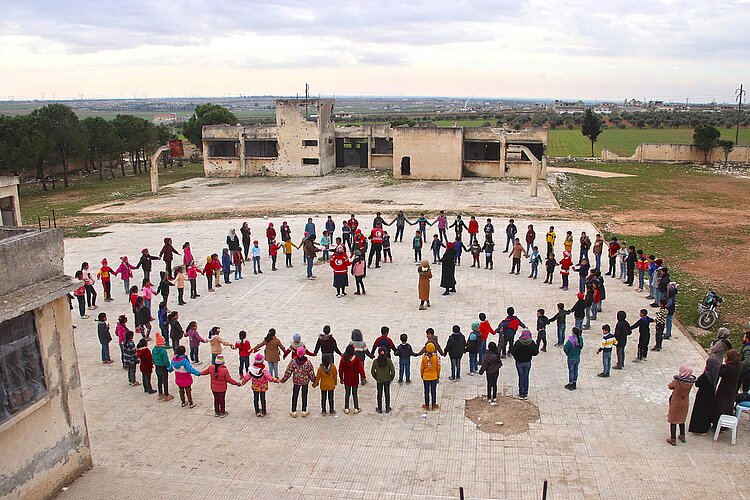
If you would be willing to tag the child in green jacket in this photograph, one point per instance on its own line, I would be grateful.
(383, 372)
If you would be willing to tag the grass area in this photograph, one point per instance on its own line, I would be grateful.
(598, 199)
(86, 190)
(564, 142)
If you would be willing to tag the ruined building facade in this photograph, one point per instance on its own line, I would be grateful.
(305, 142)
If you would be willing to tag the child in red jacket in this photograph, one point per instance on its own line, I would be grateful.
(104, 274)
(350, 370)
(565, 264)
(220, 378)
(245, 348)
(192, 275)
(147, 365)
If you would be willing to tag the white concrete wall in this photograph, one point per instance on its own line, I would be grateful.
(435, 153)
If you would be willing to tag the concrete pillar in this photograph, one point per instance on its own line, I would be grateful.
(370, 145)
(241, 138)
(154, 170)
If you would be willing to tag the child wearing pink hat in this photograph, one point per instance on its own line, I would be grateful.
(259, 378)
(220, 378)
(301, 371)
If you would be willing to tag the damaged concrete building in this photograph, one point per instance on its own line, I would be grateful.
(43, 434)
(305, 142)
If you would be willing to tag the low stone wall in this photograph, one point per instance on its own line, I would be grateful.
(676, 153)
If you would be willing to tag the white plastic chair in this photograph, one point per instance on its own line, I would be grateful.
(729, 422)
(744, 406)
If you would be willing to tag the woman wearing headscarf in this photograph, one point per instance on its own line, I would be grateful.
(246, 240)
(233, 242)
(448, 277)
(681, 385)
(705, 398)
(425, 275)
(720, 346)
(729, 376)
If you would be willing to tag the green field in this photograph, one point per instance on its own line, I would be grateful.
(564, 142)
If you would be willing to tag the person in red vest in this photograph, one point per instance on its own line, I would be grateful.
(376, 238)
(359, 242)
(340, 264)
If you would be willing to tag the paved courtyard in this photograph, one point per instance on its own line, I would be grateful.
(604, 440)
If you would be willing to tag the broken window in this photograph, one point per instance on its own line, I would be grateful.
(21, 372)
(310, 161)
(222, 149)
(261, 149)
(481, 151)
(383, 146)
(310, 142)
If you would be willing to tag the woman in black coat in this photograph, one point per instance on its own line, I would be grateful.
(448, 277)
(729, 376)
(705, 399)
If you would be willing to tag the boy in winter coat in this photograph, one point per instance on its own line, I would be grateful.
(326, 377)
(259, 378)
(572, 349)
(301, 371)
(491, 366)
(351, 369)
(608, 341)
(508, 328)
(644, 334)
(274, 350)
(474, 348)
(404, 352)
(183, 376)
(326, 343)
(161, 365)
(455, 348)
(549, 265)
(130, 358)
(541, 329)
(559, 317)
(579, 310)
(384, 342)
(622, 331)
(220, 378)
(147, 365)
(660, 318)
(383, 372)
(105, 337)
(429, 370)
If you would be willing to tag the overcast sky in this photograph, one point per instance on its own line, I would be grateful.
(655, 49)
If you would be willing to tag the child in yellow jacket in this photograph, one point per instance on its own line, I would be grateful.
(327, 378)
(430, 372)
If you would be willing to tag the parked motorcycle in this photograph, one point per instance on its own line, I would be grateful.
(708, 310)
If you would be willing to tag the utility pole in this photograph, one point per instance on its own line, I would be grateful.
(307, 95)
(739, 92)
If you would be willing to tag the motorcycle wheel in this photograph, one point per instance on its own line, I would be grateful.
(707, 320)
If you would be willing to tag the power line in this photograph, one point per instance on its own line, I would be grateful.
(739, 93)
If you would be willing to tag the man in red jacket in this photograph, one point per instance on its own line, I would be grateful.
(376, 238)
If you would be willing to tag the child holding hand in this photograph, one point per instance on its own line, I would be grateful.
(259, 378)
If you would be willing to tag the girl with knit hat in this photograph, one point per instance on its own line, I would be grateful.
(259, 378)
(351, 369)
(220, 378)
(681, 385)
(183, 375)
(383, 372)
(208, 272)
(295, 345)
(425, 275)
(565, 264)
(522, 351)
(326, 377)
(104, 274)
(572, 349)
(301, 371)
(161, 365)
(429, 370)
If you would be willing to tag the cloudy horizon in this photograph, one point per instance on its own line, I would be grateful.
(663, 49)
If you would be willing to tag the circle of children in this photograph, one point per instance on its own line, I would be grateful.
(626, 263)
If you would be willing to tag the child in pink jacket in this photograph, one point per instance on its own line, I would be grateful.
(259, 378)
(220, 378)
(125, 273)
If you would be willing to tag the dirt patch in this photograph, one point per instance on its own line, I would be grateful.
(510, 416)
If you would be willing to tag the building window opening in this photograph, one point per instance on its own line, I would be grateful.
(261, 149)
(310, 142)
(406, 165)
(310, 161)
(222, 149)
(22, 380)
(481, 151)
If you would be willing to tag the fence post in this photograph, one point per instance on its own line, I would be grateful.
(544, 490)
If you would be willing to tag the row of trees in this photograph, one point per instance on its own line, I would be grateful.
(53, 135)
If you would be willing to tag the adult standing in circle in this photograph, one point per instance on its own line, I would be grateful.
(270, 236)
(233, 241)
(425, 275)
(448, 277)
(245, 231)
(729, 377)
(340, 264)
